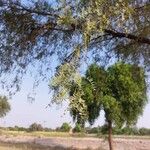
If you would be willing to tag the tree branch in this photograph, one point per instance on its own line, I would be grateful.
(43, 13)
(112, 33)
(129, 36)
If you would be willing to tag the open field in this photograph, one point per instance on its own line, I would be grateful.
(60, 141)
(41, 134)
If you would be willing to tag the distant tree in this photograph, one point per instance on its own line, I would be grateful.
(35, 127)
(4, 106)
(47, 129)
(144, 131)
(57, 129)
(65, 127)
(78, 128)
(126, 131)
(94, 130)
(16, 128)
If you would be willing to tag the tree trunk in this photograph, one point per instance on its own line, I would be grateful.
(110, 135)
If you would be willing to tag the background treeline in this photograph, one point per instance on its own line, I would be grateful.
(65, 127)
(116, 131)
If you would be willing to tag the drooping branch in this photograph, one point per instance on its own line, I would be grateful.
(72, 27)
(112, 33)
(129, 36)
(108, 32)
(43, 13)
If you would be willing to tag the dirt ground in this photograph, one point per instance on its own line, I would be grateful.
(81, 143)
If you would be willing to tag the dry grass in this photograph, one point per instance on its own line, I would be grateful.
(36, 134)
(65, 134)
(43, 134)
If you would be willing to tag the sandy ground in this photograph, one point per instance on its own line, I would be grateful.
(81, 143)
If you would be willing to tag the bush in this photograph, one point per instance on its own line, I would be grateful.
(144, 131)
(47, 129)
(65, 127)
(78, 128)
(130, 131)
(94, 130)
(104, 129)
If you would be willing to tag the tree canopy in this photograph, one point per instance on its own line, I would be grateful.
(35, 127)
(127, 86)
(65, 127)
(38, 30)
(120, 91)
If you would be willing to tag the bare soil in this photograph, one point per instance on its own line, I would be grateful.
(81, 143)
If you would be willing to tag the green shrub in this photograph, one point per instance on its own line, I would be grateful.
(94, 130)
(65, 127)
(144, 131)
(78, 128)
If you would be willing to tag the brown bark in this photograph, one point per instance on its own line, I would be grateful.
(139, 39)
(110, 135)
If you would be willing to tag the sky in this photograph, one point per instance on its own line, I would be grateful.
(24, 112)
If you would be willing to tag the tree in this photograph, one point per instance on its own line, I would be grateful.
(120, 91)
(35, 127)
(4, 106)
(126, 95)
(144, 131)
(65, 127)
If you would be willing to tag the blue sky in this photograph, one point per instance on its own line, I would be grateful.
(24, 112)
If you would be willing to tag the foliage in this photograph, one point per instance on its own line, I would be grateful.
(16, 128)
(144, 131)
(92, 87)
(65, 127)
(103, 130)
(77, 128)
(94, 130)
(127, 87)
(4, 106)
(62, 83)
(100, 130)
